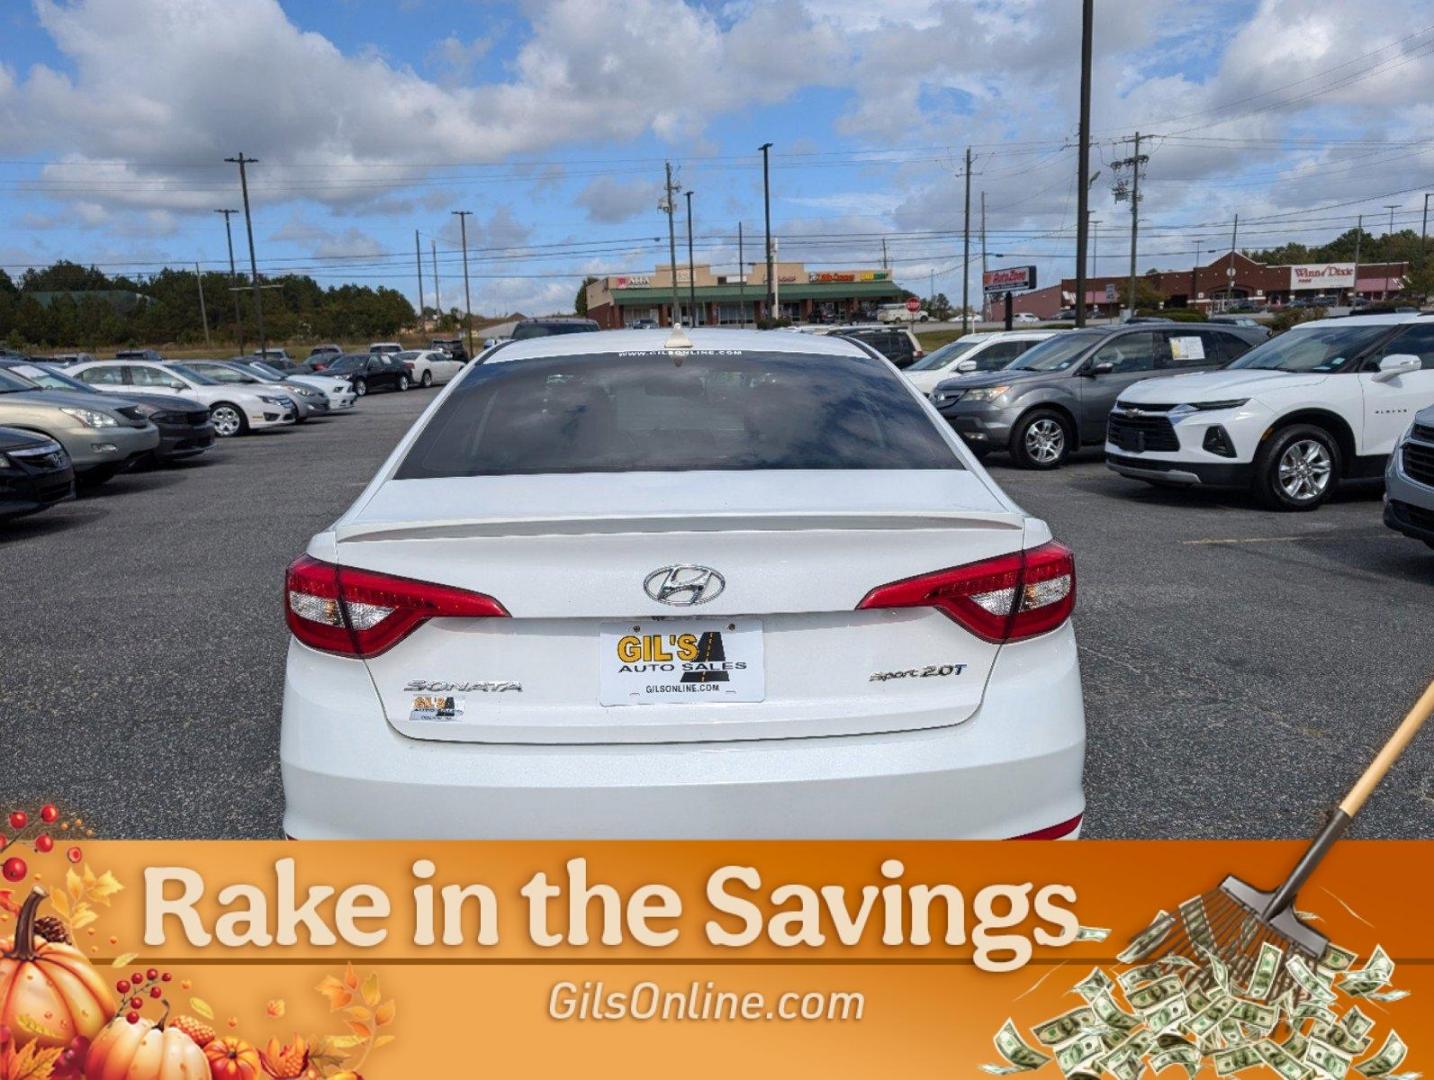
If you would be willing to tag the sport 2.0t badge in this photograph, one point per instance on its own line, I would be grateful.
(684, 585)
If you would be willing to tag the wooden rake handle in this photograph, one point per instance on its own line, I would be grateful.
(1385, 759)
(1339, 821)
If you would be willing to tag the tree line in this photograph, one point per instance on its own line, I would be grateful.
(167, 309)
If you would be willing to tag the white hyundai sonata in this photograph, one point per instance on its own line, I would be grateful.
(643, 584)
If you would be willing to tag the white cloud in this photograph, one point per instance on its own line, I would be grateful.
(609, 201)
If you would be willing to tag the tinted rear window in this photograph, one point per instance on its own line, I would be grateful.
(541, 329)
(641, 412)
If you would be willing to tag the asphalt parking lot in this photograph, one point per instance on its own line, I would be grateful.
(1240, 666)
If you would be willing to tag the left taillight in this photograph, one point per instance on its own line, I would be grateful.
(1007, 598)
(361, 613)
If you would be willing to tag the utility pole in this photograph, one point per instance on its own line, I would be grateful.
(234, 278)
(1391, 207)
(1136, 161)
(691, 267)
(741, 279)
(437, 298)
(463, 216)
(966, 255)
(767, 210)
(984, 312)
(418, 264)
(203, 315)
(1087, 20)
(1358, 233)
(668, 206)
(1424, 228)
(241, 161)
(884, 264)
(1194, 271)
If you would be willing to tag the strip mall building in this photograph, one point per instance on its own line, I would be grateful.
(1231, 277)
(730, 300)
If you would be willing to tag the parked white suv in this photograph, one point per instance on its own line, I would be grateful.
(894, 313)
(1323, 402)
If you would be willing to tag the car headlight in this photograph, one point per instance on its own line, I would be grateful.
(92, 418)
(270, 399)
(1211, 406)
(986, 393)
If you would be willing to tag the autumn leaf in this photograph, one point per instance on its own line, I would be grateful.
(123, 959)
(363, 1031)
(84, 915)
(371, 994)
(384, 1014)
(74, 885)
(276, 1008)
(202, 1007)
(383, 1040)
(337, 993)
(335, 1043)
(351, 979)
(359, 1013)
(33, 1063)
(103, 888)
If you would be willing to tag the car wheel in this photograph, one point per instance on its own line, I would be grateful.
(360, 387)
(1042, 440)
(229, 420)
(427, 380)
(403, 382)
(1297, 469)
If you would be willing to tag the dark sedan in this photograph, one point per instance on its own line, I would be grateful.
(374, 371)
(35, 473)
(185, 429)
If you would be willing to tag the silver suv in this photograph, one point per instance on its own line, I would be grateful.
(1056, 396)
(1409, 481)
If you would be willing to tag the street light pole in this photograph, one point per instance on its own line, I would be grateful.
(691, 268)
(463, 216)
(966, 255)
(767, 211)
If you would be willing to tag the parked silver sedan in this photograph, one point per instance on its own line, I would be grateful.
(102, 438)
(307, 400)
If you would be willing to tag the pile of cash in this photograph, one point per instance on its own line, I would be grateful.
(1192, 1011)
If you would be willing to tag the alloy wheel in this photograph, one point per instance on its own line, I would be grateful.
(1305, 469)
(1045, 440)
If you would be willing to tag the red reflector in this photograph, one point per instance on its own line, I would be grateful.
(1003, 599)
(362, 613)
(1053, 832)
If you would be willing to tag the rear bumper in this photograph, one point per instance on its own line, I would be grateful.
(1013, 768)
(1178, 472)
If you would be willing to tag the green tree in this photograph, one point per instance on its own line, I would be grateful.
(580, 305)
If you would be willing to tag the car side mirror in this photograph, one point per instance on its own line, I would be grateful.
(1105, 367)
(1397, 364)
(966, 365)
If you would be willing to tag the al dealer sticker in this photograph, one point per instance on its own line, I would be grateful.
(681, 661)
(436, 707)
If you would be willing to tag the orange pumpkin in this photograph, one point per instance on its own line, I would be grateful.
(144, 1051)
(231, 1058)
(49, 993)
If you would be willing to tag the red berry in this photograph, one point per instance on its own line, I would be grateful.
(19, 819)
(14, 868)
(122, 986)
(68, 1057)
(74, 854)
(152, 974)
(137, 978)
(165, 977)
(136, 1003)
(132, 1017)
(49, 813)
(155, 991)
(43, 844)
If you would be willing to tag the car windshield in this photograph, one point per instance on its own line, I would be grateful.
(47, 379)
(265, 370)
(642, 412)
(1315, 350)
(347, 363)
(10, 383)
(944, 356)
(192, 375)
(1054, 354)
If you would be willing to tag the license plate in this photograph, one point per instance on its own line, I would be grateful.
(680, 662)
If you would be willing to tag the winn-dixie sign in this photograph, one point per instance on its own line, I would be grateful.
(1011, 279)
(1322, 276)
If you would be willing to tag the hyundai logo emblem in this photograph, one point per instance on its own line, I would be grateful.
(684, 585)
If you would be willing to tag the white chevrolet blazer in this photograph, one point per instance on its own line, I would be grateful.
(1324, 402)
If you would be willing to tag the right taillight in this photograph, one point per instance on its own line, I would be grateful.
(362, 613)
(1003, 599)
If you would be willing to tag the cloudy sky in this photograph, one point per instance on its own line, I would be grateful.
(551, 119)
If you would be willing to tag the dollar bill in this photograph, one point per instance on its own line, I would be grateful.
(1092, 933)
(1259, 1016)
(1168, 1015)
(1390, 1057)
(1208, 1019)
(1063, 1028)
(1151, 996)
(1329, 1060)
(1197, 924)
(1217, 969)
(1282, 1061)
(1112, 1015)
(1148, 940)
(1143, 973)
(1295, 1044)
(1343, 1040)
(1185, 1055)
(1235, 1059)
(1078, 1052)
(1387, 995)
(1355, 1022)
(1375, 974)
(1336, 959)
(1094, 984)
(1020, 1056)
(1267, 966)
(1308, 981)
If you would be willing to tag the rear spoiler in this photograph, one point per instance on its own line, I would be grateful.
(462, 528)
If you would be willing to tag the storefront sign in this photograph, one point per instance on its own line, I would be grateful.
(634, 281)
(1010, 279)
(823, 277)
(1321, 276)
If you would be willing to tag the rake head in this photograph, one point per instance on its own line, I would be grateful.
(1231, 924)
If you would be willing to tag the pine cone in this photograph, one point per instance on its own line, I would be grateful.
(52, 929)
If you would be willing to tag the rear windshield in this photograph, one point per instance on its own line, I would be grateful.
(539, 329)
(642, 412)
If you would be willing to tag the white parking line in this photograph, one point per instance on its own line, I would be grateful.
(1291, 539)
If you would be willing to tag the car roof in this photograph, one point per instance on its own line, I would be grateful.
(1391, 318)
(612, 342)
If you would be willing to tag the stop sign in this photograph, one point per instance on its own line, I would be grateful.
(913, 304)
